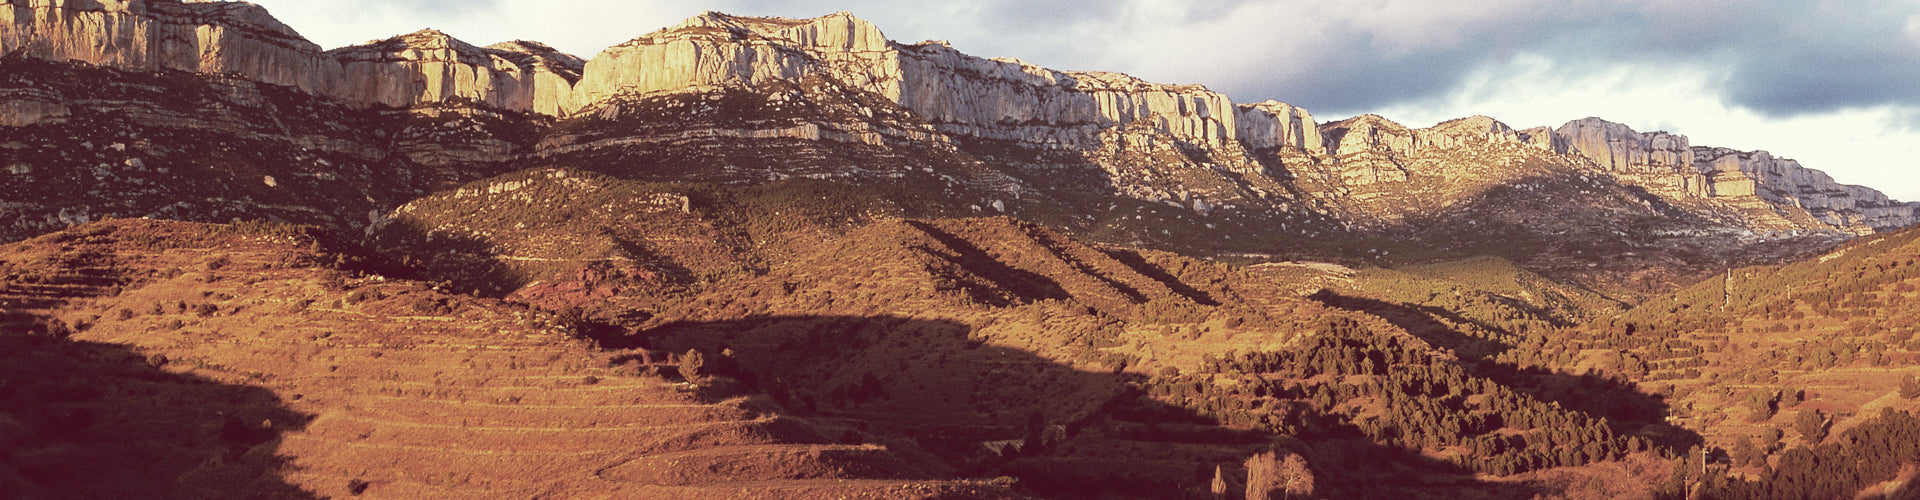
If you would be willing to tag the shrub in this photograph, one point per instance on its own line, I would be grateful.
(693, 365)
(1812, 426)
(57, 329)
(1909, 387)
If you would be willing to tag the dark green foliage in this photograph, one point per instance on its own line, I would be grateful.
(1909, 387)
(1811, 425)
(1761, 405)
(1745, 454)
(1866, 454)
(1324, 389)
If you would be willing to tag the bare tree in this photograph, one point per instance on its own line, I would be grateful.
(1262, 476)
(1295, 478)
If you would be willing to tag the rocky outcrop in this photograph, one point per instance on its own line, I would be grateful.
(1667, 164)
(1378, 135)
(206, 37)
(430, 67)
(243, 39)
(1545, 138)
(1619, 148)
(941, 97)
(1462, 132)
(1367, 134)
(995, 99)
(1758, 174)
(1275, 124)
(553, 72)
(27, 106)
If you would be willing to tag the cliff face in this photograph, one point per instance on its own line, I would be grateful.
(430, 67)
(994, 99)
(243, 39)
(1769, 193)
(234, 38)
(1667, 162)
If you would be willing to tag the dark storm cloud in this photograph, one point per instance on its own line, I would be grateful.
(1825, 57)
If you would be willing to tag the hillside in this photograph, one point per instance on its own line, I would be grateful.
(1771, 362)
(325, 383)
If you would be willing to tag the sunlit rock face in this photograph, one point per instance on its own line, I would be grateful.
(999, 99)
(429, 67)
(206, 37)
(1667, 163)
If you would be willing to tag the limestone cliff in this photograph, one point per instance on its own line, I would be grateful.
(1758, 174)
(1668, 164)
(1616, 147)
(1376, 134)
(994, 99)
(206, 37)
(1275, 124)
(1379, 160)
(243, 39)
(428, 67)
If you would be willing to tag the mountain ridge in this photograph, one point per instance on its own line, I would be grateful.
(962, 95)
(727, 101)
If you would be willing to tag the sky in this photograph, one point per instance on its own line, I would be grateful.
(1834, 84)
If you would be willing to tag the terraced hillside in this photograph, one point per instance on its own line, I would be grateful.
(330, 384)
(1771, 362)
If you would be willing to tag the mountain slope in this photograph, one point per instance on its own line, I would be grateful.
(361, 385)
(1748, 356)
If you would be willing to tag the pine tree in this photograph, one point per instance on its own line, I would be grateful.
(1812, 426)
(1745, 454)
(693, 365)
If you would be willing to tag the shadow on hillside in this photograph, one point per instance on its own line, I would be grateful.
(973, 259)
(406, 249)
(90, 420)
(1140, 265)
(1418, 320)
(1629, 410)
(1085, 431)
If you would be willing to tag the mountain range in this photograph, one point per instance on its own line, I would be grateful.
(837, 265)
